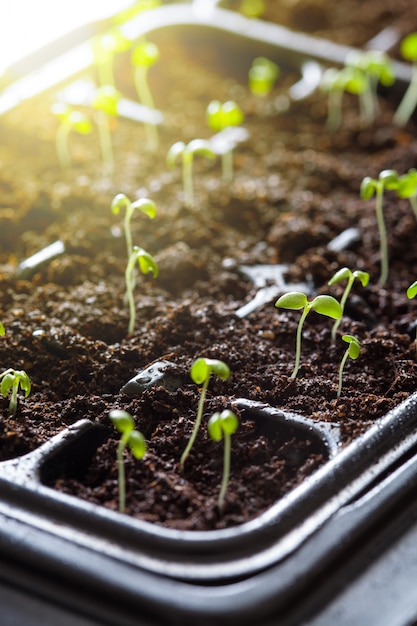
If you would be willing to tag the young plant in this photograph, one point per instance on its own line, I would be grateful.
(131, 438)
(387, 179)
(222, 426)
(106, 102)
(70, 120)
(352, 351)
(262, 76)
(146, 264)
(121, 201)
(342, 274)
(335, 83)
(325, 305)
(408, 49)
(219, 117)
(187, 152)
(11, 380)
(412, 293)
(200, 372)
(144, 56)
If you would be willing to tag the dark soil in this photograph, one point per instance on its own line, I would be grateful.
(296, 187)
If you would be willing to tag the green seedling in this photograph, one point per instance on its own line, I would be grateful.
(387, 179)
(131, 438)
(221, 116)
(376, 67)
(408, 49)
(144, 56)
(342, 274)
(407, 188)
(187, 152)
(412, 293)
(105, 48)
(352, 351)
(70, 120)
(222, 426)
(106, 102)
(200, 372)
(325, 305)
(146, 264)
(121, 201)
(335, 83)
(262, 76)
(11, 380)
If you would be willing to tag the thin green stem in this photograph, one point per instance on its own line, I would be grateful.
(187, 179)
(105, 142)
(121, 472)
(383, 241)
(61, 144)
(196, 424)
(413, 202)
(227, 166)
(226, 470)
(334, 115)
(145, 97)
(298, 342)
(341, 368)
(344, 297)
(129, 280)
(409, 101)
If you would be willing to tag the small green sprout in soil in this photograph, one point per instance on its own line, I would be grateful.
(105, 48)
(222, 426)
(11, 380)
(352, 351)
(121, 201)
(106, 102)
(387, 179)
(376, 67)
(262, 76)
(200, 372)
(144, 55)
(325, 305)
(412, 293)
(187, 152)
(70, 120)
(146, 264)
(221, 116)
(408, 49)
(131, 438)
(342, 274)
(335, 82)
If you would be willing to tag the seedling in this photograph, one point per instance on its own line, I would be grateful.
(11, 380)
(121, 201)
(222, 426)
(105, 48)
(412, 293)
(146, 264)
(325, 305)
(70, 120)
(341, 274)
(335, 83)
(262, 76)
(144, 56)
(219, 117)
(376, 67)
(408, 49)
(352, 351)
(187, 152)
(131, 438)
(106, 102)
(200, 372)
(387, 179)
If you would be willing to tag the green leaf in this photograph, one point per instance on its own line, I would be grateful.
(327, 305)
(7, 383)
(341, 274)
(80, 122)
(412, 290)
(368, 188)
(119, 202)
(2, 330)
(25, 383)
(145, 54)
(262, 75)
(389, 178)
(354, 346)
(202, 368)
(363, 277)
(106, 99)
(220, 424)
(174, 152)
(146, 261)
(199, 146)
(146, 206)
(137, 444)
(408, 47)
(214, 427)
(292, 300)
(122, 420)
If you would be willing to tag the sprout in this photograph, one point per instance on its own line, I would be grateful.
(132, 438)
(223, 425)
(375, 67)
(325, 305)
(341, 274)
(200, 372)
(219, 117)
(105, 48)
(412, 293)
(121, 201)
(11, 380)
(70, 120)
(187, 152)
(352, 351)
(146, 264)
(262, 76)
(143, 57)
(407, 105)
(387, 179)
(335, 83)
(106, 101)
